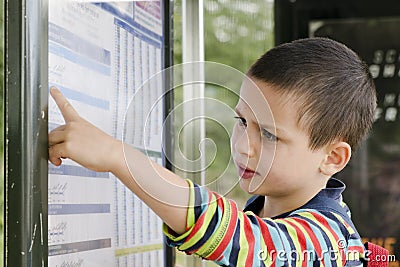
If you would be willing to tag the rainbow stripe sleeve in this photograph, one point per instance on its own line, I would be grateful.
(218, 231)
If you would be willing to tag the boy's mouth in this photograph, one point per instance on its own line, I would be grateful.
(245, 173)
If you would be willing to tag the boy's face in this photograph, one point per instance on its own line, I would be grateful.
(269, 149)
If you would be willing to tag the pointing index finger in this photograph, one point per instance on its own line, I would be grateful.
(68, 112)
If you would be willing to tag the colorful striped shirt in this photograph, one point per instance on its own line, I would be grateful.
(320, 233)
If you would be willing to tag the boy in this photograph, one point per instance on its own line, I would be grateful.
(321, 102)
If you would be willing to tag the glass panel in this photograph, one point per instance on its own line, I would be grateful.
(236, 33)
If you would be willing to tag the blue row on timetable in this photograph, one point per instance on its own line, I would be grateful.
(83, 97)
(129, 20)
(72, 170)
(68, 209)
(79, 246)
(77, 58)
(79, 45)
(137, 33)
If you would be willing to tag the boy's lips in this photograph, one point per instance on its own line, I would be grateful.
(244, 172)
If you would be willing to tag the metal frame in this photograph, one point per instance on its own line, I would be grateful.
(193, 109)
(25, 133)
(169, 252)
(193, 51)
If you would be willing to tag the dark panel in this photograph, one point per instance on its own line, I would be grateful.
(373, 175)
(371, 28)
(292, 17)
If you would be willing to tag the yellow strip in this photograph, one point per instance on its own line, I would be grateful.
(212, 206)
(244, 246)
(189, 221)
(215, 239)
(293, 234)
(139, 249)
(349, 228)
(330, 236)
(190, 214)
(304, 231)
(265, 253)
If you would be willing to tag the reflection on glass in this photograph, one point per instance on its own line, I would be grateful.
(236, 33)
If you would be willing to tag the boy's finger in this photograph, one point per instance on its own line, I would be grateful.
(68, 112)
(59, 128)
(56, 153)
(56, 137)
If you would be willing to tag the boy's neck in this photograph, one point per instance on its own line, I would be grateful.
(274, 206)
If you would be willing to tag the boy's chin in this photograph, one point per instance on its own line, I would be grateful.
(252, 186)
(248, 187)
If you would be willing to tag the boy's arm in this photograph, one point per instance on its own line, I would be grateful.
(231, 237)
(163, 191)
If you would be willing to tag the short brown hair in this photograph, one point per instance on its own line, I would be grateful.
(330, 85)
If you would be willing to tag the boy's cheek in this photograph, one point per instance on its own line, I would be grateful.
(234, 139)
(268, 158)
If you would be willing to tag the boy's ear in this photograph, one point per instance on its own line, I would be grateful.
(337, 156)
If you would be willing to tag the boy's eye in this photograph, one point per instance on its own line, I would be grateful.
(241, 121)
(269, 136)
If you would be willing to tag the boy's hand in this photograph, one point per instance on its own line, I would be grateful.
(81, 141)
(163, 191)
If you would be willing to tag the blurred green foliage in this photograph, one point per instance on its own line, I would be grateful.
(236, 33)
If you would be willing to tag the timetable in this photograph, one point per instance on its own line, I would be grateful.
(100, 55)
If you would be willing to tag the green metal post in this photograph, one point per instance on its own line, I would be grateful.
(25, 133)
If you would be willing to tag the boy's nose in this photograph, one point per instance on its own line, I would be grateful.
(247, 143)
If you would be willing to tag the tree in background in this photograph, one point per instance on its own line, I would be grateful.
(236, 33)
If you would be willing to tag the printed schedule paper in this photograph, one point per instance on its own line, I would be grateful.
(100, 54)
